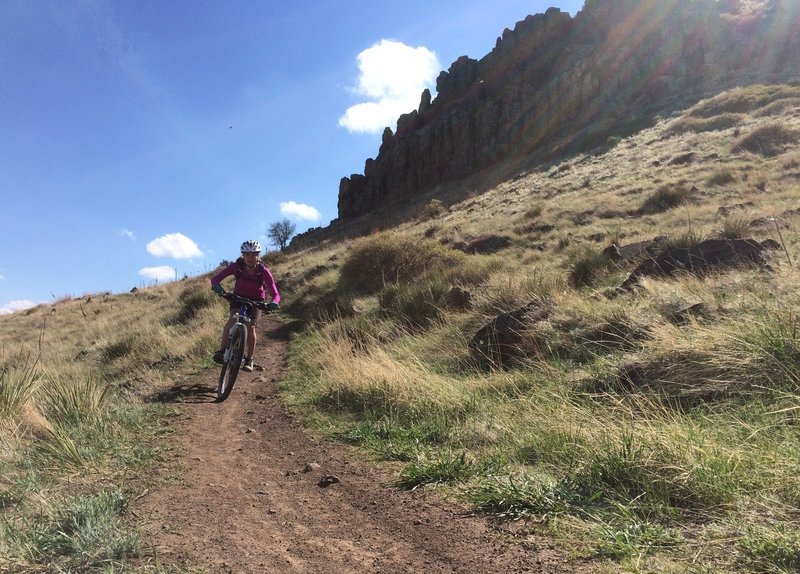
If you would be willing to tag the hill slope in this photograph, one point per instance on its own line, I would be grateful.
(488, 346)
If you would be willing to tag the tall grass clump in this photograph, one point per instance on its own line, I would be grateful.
(655, 474)
(743, 100)
(687, 239)
(386, 258)
(735, 228)
(73, 396)
(664, 198)
(415, 305)
(768, 140)
(587, 266)
(720, 178)
(18, 382)
(192, 300)
(700, 125)
(377, 384)
(774, 342)
(440, 467)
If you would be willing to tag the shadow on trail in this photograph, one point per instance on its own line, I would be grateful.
(186, 393)
(280, 331)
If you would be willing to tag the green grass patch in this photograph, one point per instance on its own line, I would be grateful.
(515, 496)
(771, 550)
(443, 466)
(75, 534)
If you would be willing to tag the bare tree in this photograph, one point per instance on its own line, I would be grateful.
(280, 232)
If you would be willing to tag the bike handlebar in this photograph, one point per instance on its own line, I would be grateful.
(233, 297)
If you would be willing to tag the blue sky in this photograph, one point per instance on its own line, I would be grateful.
(144, 140)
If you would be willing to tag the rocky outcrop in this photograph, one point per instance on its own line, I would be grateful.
(556, 85)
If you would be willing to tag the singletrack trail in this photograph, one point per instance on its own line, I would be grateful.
(240, 493)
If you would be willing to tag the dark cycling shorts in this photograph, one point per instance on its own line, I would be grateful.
(253, 318)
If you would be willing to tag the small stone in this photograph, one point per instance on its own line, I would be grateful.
(328, 480)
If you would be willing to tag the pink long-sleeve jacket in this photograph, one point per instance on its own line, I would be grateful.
(248, 284)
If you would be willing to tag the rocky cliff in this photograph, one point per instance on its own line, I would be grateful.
(557, 85)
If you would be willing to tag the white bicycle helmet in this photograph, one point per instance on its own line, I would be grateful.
(251, 246)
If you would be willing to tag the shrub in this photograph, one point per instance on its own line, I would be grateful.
(388, 258)
(721, 178)
(587, 267)
(769, 140)
(735, 228)
(534, 211)
(434, 208)
(664, 198)
(192, 300)
(743, 100)
(700, 125)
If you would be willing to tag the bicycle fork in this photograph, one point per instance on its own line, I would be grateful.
(240, 320)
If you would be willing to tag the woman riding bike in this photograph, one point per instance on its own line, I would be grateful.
(253, 281)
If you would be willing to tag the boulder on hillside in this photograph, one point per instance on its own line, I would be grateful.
(458, 298)
(503, 342)
(768, 224)
(486, 244)
(622, 254)
(707, 256)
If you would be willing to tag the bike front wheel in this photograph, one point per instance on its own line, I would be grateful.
(230, 370)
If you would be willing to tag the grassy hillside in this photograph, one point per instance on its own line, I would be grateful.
(651, 430)
(81, 417)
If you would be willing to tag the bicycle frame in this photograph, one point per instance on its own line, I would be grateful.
(242, 318)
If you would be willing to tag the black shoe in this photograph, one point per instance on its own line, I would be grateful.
(248, 365)
(219, 357)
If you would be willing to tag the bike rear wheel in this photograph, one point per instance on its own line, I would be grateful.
(230, 370)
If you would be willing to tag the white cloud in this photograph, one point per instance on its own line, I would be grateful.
(175, 245)
(162, 273)
(129, 234)
(13, 306)
(392, 77)
(300, 211)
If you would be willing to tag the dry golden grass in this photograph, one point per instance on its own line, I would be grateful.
(77, 343)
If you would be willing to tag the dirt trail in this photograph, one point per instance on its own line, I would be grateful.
(243, 496)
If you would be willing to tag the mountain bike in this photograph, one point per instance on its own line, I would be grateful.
(237, 343)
